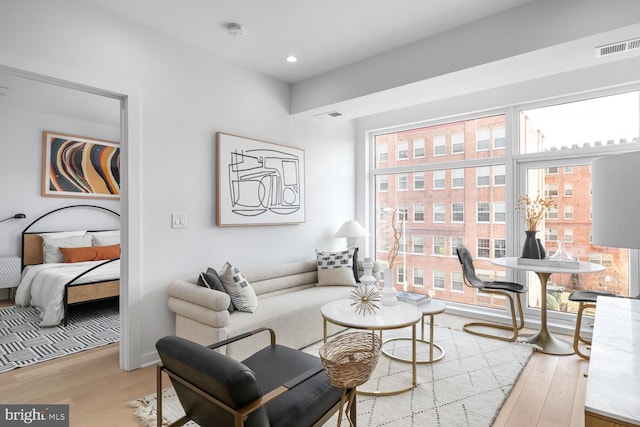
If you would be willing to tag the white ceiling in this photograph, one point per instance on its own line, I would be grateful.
(324, 35)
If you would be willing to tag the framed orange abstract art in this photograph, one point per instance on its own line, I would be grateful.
(75, 166)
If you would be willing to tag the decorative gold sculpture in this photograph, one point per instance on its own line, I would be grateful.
(365, 298)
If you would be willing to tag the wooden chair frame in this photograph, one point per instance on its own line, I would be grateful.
(240, 415)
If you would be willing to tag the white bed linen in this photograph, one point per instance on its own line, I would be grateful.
(42, 285)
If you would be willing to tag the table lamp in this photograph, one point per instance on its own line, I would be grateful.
(616, 201)
(351, 230)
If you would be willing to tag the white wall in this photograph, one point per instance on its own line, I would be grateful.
(21, 170)
(186, 96)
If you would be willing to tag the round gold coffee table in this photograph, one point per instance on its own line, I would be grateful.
(398, 316)
(429, 308)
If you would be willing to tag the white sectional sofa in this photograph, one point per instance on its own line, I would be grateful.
(289, 302)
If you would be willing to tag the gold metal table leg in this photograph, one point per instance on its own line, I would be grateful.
(543, 339)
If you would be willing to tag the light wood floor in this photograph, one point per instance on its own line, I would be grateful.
(549, 392)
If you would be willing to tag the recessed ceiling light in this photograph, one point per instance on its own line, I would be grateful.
(292, 58)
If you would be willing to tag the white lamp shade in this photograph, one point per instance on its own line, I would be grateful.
(351, 228)
(616, 201)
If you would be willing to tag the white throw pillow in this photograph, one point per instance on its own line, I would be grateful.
(60, 234)
(105, 238)
(50, 251)
(243, 296)
(335, 268)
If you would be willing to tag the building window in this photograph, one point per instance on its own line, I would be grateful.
(551, 213)
(499, 248)
(483, 212)
(552, 170)
(438, 212)
(403, 182)
(403, 150)
(457, 143)
(499, 138)
(401, 275)
(383, 153)
(568, 169)
(418, 148)
(418, 244)
(551, 190)
(457, 178)
(455, 242)
(568, 235)
(457, 212)
(457, 281)
(383, 183)
(482, 140)
(438, 279)
(499, 212)
(418, 212)
(418, 276)
(568, 189)
(482, 176)
(418, 180)
(568, 212)
(551, 235)
(439, 180)
(499, 175)
(439, 145)
(484, 249)
(438, 245)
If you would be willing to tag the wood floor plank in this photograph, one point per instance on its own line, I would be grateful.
(558, 407)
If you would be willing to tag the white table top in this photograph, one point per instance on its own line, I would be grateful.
(613, 385)
(342, 313)
(432, 306)
(583, 267)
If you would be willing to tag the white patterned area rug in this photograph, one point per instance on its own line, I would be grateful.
(23, 342)
(466, 388)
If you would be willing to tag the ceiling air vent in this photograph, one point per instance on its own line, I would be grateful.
(328, 114)
(618, 47)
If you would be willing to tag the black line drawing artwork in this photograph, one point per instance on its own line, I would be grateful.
(259, 183)
(264, 180)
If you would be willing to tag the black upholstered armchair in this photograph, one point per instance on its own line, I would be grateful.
(277, 386)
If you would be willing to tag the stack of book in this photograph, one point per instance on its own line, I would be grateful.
(412, 297)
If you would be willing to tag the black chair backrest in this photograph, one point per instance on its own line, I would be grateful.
(468, 269)
(220, 376)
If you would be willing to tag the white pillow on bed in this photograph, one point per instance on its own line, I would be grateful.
(105, 238)
(59, 234)
(50, 251)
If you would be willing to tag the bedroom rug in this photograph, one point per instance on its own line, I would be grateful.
(23, 342)
(466, 388)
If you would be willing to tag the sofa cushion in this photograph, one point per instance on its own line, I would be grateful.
(210, 279)
(243, 297)
(335, 268)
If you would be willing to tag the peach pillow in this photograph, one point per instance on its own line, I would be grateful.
(90, 253)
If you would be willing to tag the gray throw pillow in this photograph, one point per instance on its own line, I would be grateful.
(211, 280)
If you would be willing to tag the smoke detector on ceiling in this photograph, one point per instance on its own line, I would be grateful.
(618, 47)
(235, 29)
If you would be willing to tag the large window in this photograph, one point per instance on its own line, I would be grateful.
(461, 179)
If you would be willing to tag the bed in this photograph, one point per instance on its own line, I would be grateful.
(61, 268)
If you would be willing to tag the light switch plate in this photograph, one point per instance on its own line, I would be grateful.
(178, 220)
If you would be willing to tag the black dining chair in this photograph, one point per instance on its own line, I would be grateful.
(275, 387)
(506, 289)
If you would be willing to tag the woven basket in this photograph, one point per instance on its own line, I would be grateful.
(350, 359)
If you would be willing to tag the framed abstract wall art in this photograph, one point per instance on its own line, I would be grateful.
(75, 166)
(259, 183)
